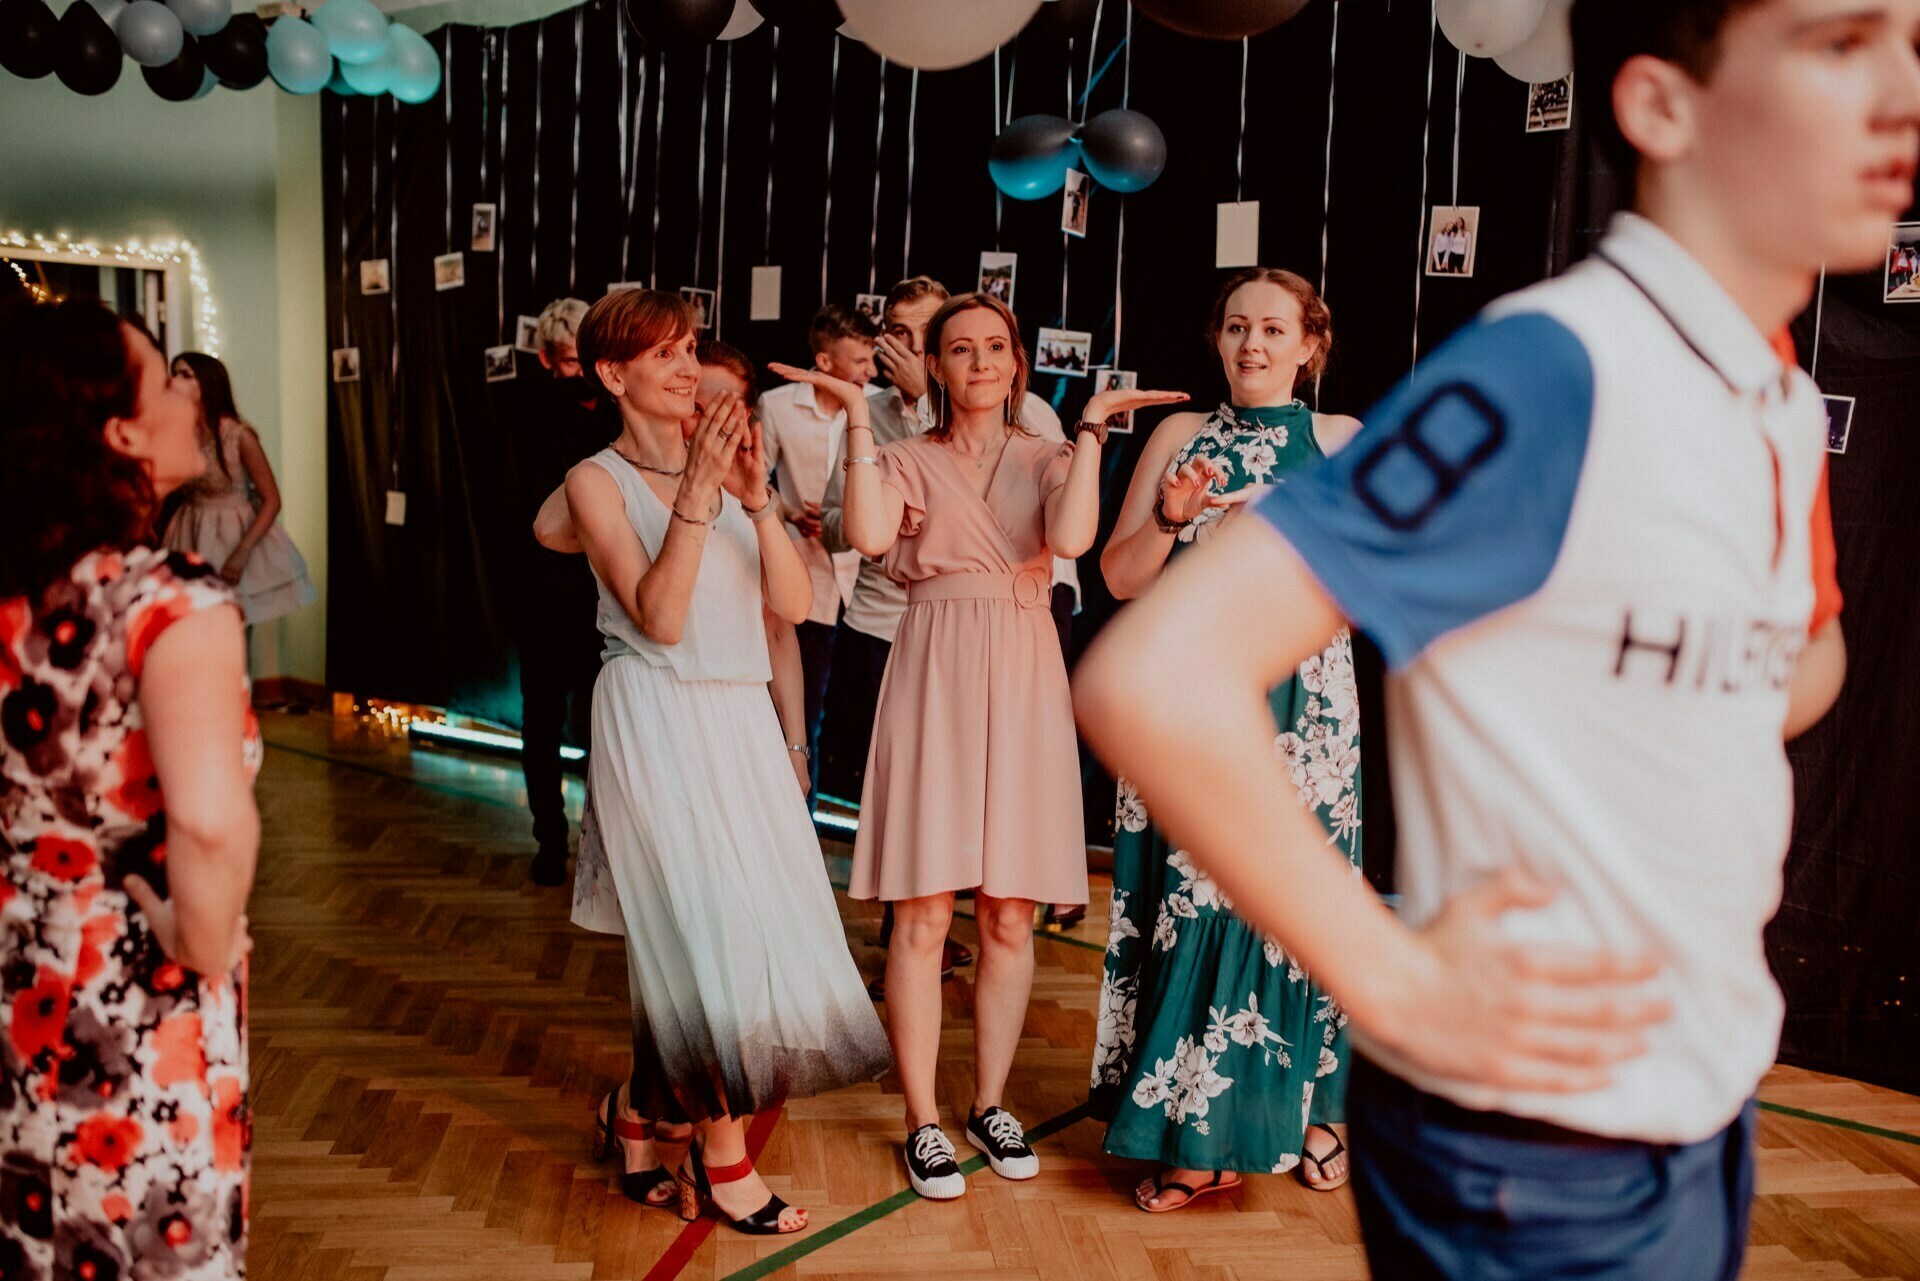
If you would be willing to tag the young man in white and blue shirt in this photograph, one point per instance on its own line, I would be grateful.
(1583, 535)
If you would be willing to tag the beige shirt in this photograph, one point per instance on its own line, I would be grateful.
(878, 601)
(803, 443)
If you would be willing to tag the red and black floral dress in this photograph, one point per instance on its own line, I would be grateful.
(123, 1096)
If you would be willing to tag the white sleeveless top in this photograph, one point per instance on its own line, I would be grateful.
(724, 639)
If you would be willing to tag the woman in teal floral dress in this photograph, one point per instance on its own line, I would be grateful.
(1217, 1054)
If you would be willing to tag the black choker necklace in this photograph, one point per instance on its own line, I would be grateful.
(658, 471)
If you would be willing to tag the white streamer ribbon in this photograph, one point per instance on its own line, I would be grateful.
(573, 177)
(773, 134)
(1426, 140)
(879, 146)
(539, 114)
(833, 100)
(1326, 196)
(446, 68)
(913, 119)
(1240, 156)
(700, 172)
(726, 144)
(659, 129)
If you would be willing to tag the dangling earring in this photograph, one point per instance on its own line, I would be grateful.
(946, 410)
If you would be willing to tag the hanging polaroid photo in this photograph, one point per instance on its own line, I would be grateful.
(764, 302)
(526, 334)
(450, 271)
(1236, 234)
(1903, 263)
(484, 217)
(1550, 106)
(873, 307)
(1074, 199)
(1453, 240)
(701, 300)
(996, 275)
(1063, 351)
(499, 364)
(1116, 380)
(346, 364)
(618, 286)
(1839, 422)
(374, 277)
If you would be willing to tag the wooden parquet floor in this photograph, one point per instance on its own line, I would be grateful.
(429, 1034)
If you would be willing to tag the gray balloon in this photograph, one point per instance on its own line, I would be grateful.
(149, 33)
(202, 17)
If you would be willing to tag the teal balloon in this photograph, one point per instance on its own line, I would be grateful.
(370, 78)
(1124, 150)
(356, 32)
(1032, 155)
(416, 66)
(207, 85)
(339, 83)
(297, 56)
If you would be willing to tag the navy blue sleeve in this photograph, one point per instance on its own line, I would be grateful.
(1453, 502)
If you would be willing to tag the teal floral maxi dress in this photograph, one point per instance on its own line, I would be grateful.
(1215, 1049)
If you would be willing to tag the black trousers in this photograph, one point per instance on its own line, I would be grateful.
(559, 662)
(853, 696)
(816, 666)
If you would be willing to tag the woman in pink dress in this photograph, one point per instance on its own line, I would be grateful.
(973, 779)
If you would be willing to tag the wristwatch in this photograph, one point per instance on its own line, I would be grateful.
(1097, 430)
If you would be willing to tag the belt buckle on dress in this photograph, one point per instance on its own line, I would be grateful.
(1029, 589)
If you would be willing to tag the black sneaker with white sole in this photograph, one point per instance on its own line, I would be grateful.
(996, 1133)
(931, 1168)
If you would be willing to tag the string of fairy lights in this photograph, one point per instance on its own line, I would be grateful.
(133, 253)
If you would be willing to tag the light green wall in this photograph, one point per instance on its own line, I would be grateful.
(239, 175)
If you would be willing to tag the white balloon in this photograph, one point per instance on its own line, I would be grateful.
(927, 33)
(745, 21)
(1489, 28)
(1547, 54)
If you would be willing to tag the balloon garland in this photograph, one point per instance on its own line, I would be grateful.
(184, 47)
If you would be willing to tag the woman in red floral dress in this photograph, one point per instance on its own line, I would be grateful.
(128, 832)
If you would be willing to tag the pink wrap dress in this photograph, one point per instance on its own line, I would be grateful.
(973, 779)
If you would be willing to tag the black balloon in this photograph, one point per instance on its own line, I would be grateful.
(1220, 19)
(1124, 150)
(680, 22)
(180, 79)
(802, 15)
(29, 38)
(1059, 19)
(88, 57)
(237, 53)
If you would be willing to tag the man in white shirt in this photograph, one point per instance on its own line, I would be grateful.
(1583, 536)
(803, 446)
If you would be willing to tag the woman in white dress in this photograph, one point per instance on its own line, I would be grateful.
(743, 991)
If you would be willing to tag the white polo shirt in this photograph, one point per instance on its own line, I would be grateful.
(803, 442)
(1581, 536)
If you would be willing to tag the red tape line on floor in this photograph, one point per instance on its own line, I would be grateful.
(695, 1234)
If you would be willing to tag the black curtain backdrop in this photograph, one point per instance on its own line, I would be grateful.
(1843, 944)
(425, 611)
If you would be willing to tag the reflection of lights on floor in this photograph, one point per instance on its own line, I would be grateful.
(437, 731)
(454, 735)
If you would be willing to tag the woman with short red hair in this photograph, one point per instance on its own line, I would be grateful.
(743, 992)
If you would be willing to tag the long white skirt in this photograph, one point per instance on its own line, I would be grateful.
(743, 991)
